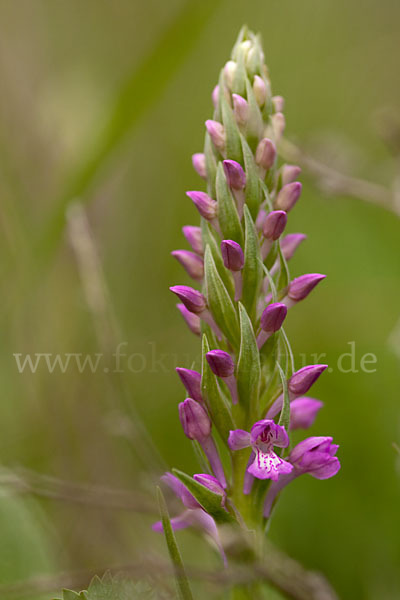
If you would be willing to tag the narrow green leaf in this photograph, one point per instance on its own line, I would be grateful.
(289, 354)
(211, 165)
(70, 595)
(210, 501)
(248, 366)
(255, 125)
(252, 272)
(284, 417)
(239, 79)
(219, 301)
(228, 217)
(209, 239)
(214, 400)
(253, 189)
(233, 145)
(270, 281)
(284, 276)
(176, 559)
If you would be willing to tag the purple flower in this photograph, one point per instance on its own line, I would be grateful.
(194, 515)
(206, 206)
(193, 236)
(266, 154)
(260, 90)
(216, 132)
(195, 421)
(301, 381)
(274, 224)
(271, 321)
(192, 382)
(288, 196)
(279, 103)
(199, 164)
(215, 96)
(314, 455)
(232, 255)
(191, 298)
(241, 109)
(193, 264)
(300, 287)
(222, 365)
(235, 176)
(192, 320)
(264, 436)
(290, 243)
(303, 411)
(289, 173)
(196, 425)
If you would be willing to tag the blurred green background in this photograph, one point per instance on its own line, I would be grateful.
(104, 103)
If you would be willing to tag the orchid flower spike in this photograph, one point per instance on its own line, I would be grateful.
(233, 257)
(263, 437)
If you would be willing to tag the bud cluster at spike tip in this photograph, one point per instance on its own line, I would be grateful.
(240, 302)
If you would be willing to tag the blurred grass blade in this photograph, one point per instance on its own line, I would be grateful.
(131, 103)
(180, 575)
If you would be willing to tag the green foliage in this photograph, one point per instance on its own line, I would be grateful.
(174, 553)
(248, 367)
(228, 217)
(116, 587)
(252, 270)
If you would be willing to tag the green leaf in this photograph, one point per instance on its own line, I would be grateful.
(213, 398)
(252, 271)
(289, 370)
(176, 559)
(228, 217)
(239, 79)
(219, 301)
(270, 280)
(253, 189)
(233, 146)
(70, 595)
(210, 501)
(255, 124)
(209, 239)
(284, 417)
(248, 366)
(284, 276)
(211, 165)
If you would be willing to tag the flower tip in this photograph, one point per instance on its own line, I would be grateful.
(221, 363)
(235, 175)
(273, 317)
(199, 164)
(274, 224)
(192, 263)
(192, 382)
(232, 255)
(193, 300)
(192, 320)
(288, 196)
(300, 287)
(216, 132)
(206, 206)
(302, 380)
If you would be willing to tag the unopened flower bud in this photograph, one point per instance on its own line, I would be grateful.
(191, 298)
(215, 96)
(241, 109)
(193, 235)
(300, 287)
(290, 173)
(229, 72)
(273, 317)
(274, 224)
(290, 243)
(192, 320)
(303, 412)
(278, 125)
(316, 456)
(216, 132)
(221, 363)
(191, 262)
(199, 164)
(301, 381)
(192, 382)
(194, 419)
(232, 255)
(206, 206)
(212, 484)
(266, 153)
(288, 196)
(279, 103)
(260, 90)
(235, 175)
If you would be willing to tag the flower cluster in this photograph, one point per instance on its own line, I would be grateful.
(248, 396)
